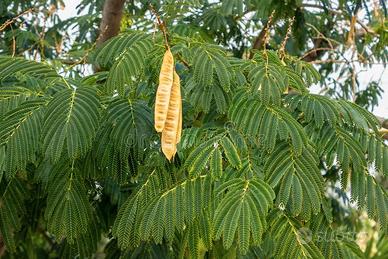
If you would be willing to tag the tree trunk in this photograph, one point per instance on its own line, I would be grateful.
(111, 20)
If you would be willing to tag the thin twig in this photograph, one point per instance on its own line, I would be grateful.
(42, 35)
(288, 33)
(11, 21)
(330, 41)
(344, 61)
(13, 43)
(314, 50)
(263, 37)
(383, 131)
(184, 62)
(321, 7)
(365, 27)
(101, 34)
(161, 25)
(354, 82)
(352, 30)
(354, 74)
(266, 30)
(319, 45)
(258, 43)
(82, 60)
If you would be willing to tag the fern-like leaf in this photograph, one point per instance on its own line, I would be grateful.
(357, 116)
(266, 122)
(71, 121)
(68, 211)
(337, 141)
(316, 108)
(12, 208)
(126, 129)
(332, 243)
(125, 55)
(11, 66)
(242, 211)
(11, 97)
(209, 59)
(199, 157)
(20, 133)
(299, 180)
(159, 214)
(290, 239)
(232, 7)
(266, 76)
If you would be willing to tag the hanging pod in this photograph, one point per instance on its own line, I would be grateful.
(179, 131)
(164, 90)
(172, 128)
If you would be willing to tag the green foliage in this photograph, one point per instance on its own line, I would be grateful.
(13, 67)
(71, 123)
(68, 211)
(242, 212)
(338, 247)
(316, 108)
(288, 241)
(211, 77)
(125, 55)
(19, 134)
(207, 61)
(256, 165)
(232, 6)
(12, 208)
(200, 156)
(299, 180)
(155, 211)
(126, 129)
(265, 122)
(266, 76)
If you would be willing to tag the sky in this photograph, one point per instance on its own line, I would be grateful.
(374, 73)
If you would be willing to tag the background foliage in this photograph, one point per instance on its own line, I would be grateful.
(264, 168)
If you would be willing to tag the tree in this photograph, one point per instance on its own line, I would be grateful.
(263, 169)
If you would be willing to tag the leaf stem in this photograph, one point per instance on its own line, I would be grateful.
(161, 25)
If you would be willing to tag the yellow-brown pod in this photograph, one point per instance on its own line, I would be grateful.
(169, 133)
(164, 90)
(179, 131)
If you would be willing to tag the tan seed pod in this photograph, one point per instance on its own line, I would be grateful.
(179, 131)
(164, 90)
(169, 133)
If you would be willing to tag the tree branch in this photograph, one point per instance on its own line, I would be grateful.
(258, 43)
(11, 21)
(111, 20)
(365, 27)
(320, 48)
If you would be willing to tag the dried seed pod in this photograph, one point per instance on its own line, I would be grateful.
(171, 127)
(179, 131)
(163, 93)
